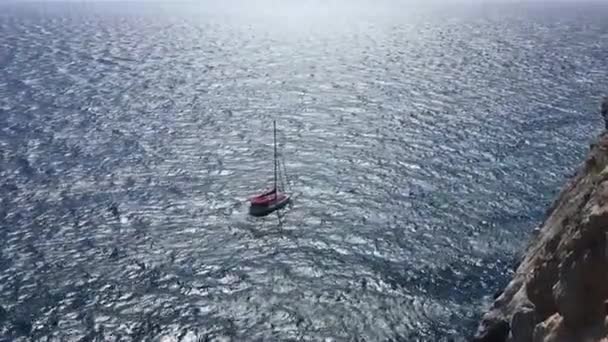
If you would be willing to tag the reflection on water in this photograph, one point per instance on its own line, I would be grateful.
(422, 147)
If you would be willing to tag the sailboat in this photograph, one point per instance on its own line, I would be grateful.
(274, 199)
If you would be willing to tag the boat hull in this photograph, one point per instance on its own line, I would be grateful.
(263, 210)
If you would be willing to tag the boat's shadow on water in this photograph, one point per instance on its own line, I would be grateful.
(272, 225)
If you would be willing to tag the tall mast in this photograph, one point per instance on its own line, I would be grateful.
(274, 128)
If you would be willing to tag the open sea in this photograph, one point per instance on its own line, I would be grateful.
(423, 143)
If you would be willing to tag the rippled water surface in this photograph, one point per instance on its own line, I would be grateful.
(422, 145)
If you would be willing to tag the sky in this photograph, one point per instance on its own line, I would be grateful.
(302, 1)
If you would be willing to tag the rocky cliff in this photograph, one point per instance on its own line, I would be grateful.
(560, 288)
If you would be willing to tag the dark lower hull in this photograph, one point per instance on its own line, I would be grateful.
(263, 210)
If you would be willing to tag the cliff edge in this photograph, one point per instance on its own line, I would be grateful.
(559, 290)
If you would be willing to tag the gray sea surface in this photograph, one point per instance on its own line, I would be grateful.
(422, 145)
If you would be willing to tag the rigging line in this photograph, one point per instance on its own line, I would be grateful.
(286, 175)
(280, 174)
(283, 170)
(274, 131)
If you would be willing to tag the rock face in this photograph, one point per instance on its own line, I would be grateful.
(560, 289)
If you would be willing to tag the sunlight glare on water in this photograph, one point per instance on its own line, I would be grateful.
(422, 144)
